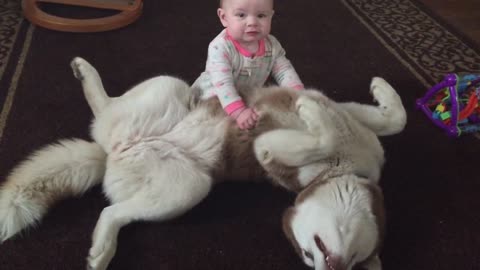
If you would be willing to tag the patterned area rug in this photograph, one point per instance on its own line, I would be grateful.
(423, 44)
(10, 20)
(14, 44)
(430, 181)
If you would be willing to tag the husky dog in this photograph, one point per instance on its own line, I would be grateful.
(160, 149)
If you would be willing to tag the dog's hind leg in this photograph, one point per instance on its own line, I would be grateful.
(388, 118)
(171, 191)
(297, 147)
(93, 89)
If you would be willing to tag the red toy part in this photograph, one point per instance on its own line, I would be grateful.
(470, 108)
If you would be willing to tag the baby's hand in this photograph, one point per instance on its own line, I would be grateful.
(246, 118)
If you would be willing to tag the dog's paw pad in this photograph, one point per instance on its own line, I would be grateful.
(82, 70)
(76, 66)
(266, 156)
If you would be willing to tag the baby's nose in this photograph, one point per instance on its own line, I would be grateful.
(252, 20)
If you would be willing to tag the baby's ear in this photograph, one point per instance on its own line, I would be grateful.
(221, 16)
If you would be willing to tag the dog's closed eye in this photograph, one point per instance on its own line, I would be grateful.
(308, 254)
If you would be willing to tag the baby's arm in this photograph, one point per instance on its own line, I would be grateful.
(283, 71)
(219, 66)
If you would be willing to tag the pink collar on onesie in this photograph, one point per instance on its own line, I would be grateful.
(245, 52)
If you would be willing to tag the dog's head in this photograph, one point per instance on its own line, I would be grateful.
(337, 224)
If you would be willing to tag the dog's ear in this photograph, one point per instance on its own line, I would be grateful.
(378, 211)
(287, 219)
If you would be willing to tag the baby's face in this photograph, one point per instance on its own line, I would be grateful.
(247, 21)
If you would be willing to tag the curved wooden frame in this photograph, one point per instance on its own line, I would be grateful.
(127, 15)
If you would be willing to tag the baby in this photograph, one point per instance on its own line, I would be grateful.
(244, 55)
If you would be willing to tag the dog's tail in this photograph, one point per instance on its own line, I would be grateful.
(66, 168)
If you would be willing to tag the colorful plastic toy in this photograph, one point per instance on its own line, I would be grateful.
(453, 104)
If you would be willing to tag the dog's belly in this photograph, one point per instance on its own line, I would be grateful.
(151, 166)
(134, 117)
(146, 164)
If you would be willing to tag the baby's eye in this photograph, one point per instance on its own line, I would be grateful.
(261, 16)
(240, 15)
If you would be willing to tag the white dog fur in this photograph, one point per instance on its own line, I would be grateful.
(159, 149)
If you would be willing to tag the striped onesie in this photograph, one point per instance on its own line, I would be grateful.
(230, 67)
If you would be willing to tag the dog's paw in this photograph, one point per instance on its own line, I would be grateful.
(76, 66)
(99, 257)
(389, 104)
(264, 156)
(262, 152)
(304, 103)
(312, 113)
(383, 93)
(307, 108)
(101, 252)
(82, 69)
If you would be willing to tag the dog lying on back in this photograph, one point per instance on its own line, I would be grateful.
(160, 149)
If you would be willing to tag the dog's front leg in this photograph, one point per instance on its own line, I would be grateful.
(297, 147)
(291, 147)
(388, 118)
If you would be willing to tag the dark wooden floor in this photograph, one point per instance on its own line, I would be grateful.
(462, 14)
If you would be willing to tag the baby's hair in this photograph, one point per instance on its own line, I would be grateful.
(220, 3)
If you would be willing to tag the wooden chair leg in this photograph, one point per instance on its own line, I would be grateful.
(129, 11)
